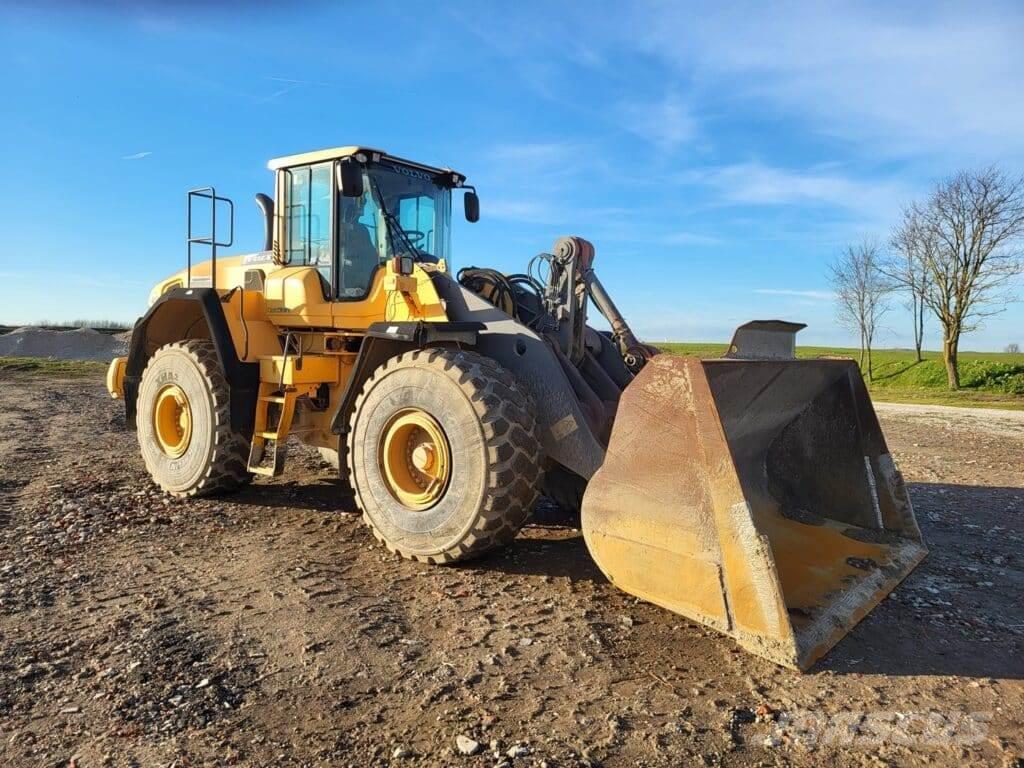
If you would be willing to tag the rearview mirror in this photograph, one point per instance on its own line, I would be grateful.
(472, 204)
(350, 178)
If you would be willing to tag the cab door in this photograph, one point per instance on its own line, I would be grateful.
(361, 298)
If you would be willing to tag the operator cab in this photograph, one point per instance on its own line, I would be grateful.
(347, 211)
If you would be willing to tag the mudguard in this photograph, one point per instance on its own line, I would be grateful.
(191, 313)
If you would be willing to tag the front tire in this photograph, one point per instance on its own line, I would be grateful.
(184, 425)
(443, 455)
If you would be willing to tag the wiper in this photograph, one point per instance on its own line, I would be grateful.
(393, 226)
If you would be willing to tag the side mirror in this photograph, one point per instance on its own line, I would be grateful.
(472, 204)
(350, 178)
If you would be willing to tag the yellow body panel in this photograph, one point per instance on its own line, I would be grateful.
(307, 369)
(230, 273)
(252, 330)
(295, 297)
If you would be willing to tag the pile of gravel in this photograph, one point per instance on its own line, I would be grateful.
(77, 344)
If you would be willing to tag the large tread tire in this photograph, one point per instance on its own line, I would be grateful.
(217, 456)
(490, 424)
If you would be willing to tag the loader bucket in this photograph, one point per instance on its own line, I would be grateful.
(754, 496)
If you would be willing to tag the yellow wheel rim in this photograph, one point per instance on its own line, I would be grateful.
(172, 421)
(415, 458)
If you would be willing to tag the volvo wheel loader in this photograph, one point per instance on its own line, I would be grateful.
(752, 493)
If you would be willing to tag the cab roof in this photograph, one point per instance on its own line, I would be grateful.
(322, 155)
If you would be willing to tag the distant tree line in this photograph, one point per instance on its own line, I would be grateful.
(954, 254)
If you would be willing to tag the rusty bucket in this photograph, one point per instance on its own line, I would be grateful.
(754, 496)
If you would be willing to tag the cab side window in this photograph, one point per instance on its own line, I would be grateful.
(308, 211)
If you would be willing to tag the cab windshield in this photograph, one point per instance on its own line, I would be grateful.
(402, 211)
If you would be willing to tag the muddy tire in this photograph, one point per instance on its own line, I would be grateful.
(488, 425)
(183, 422)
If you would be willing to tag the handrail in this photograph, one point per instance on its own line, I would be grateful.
(209, 193)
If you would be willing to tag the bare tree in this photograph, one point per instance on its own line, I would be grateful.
(861, 288)
(913, 245)
(976, 220)
(1012, 349)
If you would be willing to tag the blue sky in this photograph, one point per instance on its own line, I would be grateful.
(718, 156)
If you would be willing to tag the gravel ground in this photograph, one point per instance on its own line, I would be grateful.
(267, 628)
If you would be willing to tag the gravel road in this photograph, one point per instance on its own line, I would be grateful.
(268, 628)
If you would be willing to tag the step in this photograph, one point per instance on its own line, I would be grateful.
(274, 435)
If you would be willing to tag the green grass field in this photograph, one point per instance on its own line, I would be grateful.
(70, 368)
(988, 379)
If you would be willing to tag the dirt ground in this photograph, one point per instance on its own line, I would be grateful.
(268, 628)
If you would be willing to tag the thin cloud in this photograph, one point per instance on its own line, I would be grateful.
(754, 183)
(291, 84)
(275, 95)
(519, 210)
(295, 81)
(666, 123)
(896, 81)
(816, 295)
(689, 238)
(137, 156)
(543, 154)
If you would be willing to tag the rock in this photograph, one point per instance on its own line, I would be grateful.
(400, 753)
(466, 745)
(517, 750)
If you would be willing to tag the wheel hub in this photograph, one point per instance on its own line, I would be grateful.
(172, 421)
(415, 458)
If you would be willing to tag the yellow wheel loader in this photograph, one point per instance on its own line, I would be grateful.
(752, 493)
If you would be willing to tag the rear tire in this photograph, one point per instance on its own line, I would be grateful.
(205, 456)
(490, 446)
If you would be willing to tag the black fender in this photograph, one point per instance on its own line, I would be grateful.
(386, 340)
(192, 313)
(570, 431)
